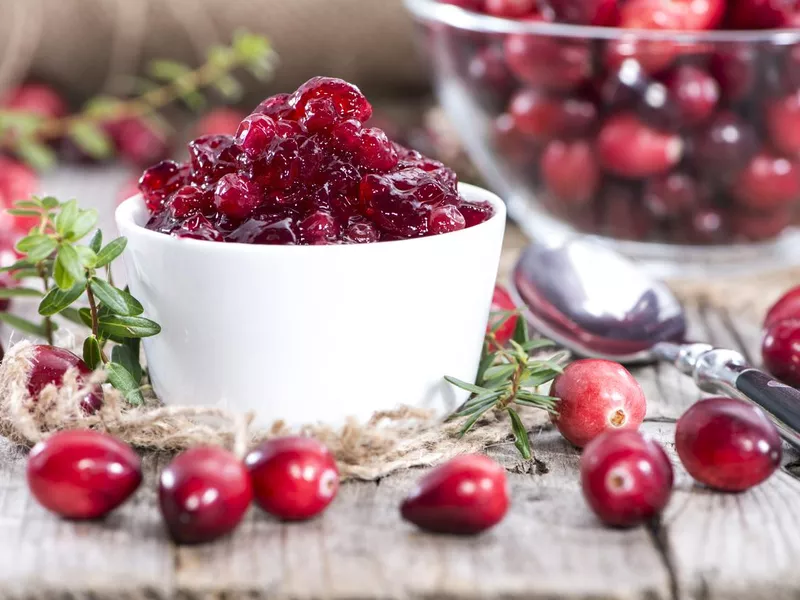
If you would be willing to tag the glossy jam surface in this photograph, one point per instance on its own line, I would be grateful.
(306, 168)
(727, 444)
(82, 474)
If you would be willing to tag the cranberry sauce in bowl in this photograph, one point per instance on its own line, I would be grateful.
(304, 169)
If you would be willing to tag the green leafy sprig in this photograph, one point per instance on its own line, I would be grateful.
(27, 134)
(70, 271)
(509, 377)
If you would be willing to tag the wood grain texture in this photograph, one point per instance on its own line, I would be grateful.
(550, 546)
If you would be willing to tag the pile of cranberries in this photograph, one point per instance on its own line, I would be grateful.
(304, 168)
(691, 142)
(780, 348)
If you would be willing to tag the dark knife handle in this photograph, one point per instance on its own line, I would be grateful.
(780, 401)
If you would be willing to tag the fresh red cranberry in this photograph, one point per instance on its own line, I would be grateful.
(204, 493)
(35, 98)
(161, 180)
(510, 9)
(197, 227)
(235, 196)
(570, 171)
(361, 233)
(757, 226)
(761, 14)
(82, 474)
(706, 226)
(444, 219)
(780, 350)
(672, 14)
(466, 495)
(550, 63)
(670, 195)
(735, 68)
(347, 99)
(473, 5)
(694, 92)
(594, 396)
(502, 303)
(220, 121)
(543, 116)
(786, 307)
(726, 144)
(376, 153)
(783, 123)
(628, 147)
(17, 182)
(586, 12)
(622, 214)
(652, 56)
(255, 133)
(49, 364)
(727, 444)
(475, 213)
(294, 478)
(138, 141)
(768, 181)
(626, 478)
(487, 69)
(319, 228)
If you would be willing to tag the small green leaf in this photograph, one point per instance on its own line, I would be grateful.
(499, 371)
(167, 70)
(502, 317)
(97, 241)
(71, 269)
(18, 292)
(66, 217)
(117, 301)
(39, 156)
(228, 87)
(470, 408)
(33, 203)
(25, 274)
(123, 355)
(57, 299)
(85, 315)
(470, 387)
(521, 331)
(537, 343)
(92, 354)
(20, 264)
(121, 379)
(83, 224)
(521, 440)
(487, 359)
(23, 325)
(23, 212)
(72, 314)
(111, 252)
(474, 419)
(49, 202)
(126, 327)
(91, 138)
(87, 256)
(37, 247)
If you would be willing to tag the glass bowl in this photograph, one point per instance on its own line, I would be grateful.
(682, 149)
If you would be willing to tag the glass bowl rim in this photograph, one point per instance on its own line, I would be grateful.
(460, 18)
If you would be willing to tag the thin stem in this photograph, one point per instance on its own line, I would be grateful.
(95, 320)
(48, 323)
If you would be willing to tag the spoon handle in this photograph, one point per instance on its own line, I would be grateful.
(726, 372)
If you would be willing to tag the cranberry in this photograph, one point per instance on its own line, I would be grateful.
(670, 195)
(487, 69)
(549, 63)
(768, 181)
(652, 56)
(781, 350)
(377, 152)
(502, 303)
(187, 201)
(475, 213)
(628, 147)
(294, 478)
(203, 493)
(138, 141)
(276, 106)
(280, 227)
(695, 92)
(727, 444)
(197, 227)
(220, 121)
(49, 364)
(17, 182)
(543, 116)
(361, 233)
(786, 307)
(761, 14)
(735, 68)
(466, 495)
(672, 14)
(473, 5)
(255, 133)
(444, 219)
(622, 214)
(82, 474)
(510, 9)
(235, 196)
(626, 478)
(347, 99)
(726, 144)
(586, 12)
(756, 226)
(161, 180)
(212, 156)
(706, 226)
(783, 123)
(347, 135)
(596, 395)
(35, 98)
(570, 171)
(319, 228)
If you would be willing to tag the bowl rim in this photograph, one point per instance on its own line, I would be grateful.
(129, 209)
(460, 18)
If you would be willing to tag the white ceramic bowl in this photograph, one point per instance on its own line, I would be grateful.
(314, 333)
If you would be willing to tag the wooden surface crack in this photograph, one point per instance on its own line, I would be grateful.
(659, 535)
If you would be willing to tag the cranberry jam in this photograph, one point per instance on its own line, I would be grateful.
(304, 169)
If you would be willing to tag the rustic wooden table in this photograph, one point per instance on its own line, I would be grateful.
(711, 545)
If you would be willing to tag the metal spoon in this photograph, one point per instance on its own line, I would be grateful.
(591, 300)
